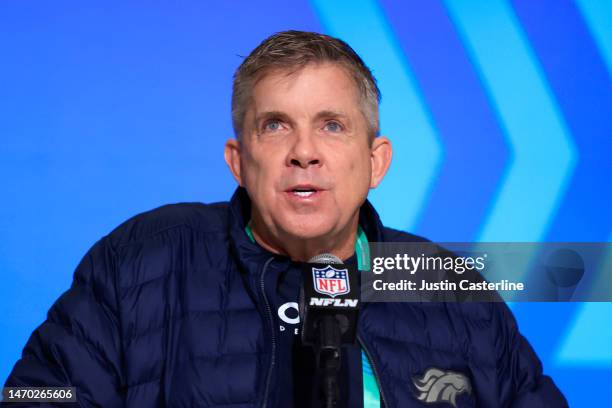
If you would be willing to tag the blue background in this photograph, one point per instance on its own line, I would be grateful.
(499, 112)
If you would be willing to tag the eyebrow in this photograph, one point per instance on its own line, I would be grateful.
(328, 113)
(271, 114)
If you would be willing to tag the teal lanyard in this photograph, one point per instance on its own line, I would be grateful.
(371, 394)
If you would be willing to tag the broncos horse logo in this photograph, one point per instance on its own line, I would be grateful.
(441, 386)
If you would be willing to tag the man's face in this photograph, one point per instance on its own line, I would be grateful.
(305, 157)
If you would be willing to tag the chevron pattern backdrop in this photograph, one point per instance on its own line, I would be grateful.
(499, 111)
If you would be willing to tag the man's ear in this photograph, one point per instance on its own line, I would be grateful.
(232, 158)
(381, 155)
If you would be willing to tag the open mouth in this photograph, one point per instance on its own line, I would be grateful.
(303, 191)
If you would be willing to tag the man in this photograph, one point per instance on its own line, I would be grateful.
(195, 305)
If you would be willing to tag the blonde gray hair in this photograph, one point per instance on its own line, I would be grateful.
(292, 50)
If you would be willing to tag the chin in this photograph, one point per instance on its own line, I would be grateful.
(309, 228)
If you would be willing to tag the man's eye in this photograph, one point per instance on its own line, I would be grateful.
(333, 127)
(272, 126)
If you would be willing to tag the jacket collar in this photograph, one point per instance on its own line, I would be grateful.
(249, 253)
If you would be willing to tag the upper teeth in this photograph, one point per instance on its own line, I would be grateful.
(303, 193)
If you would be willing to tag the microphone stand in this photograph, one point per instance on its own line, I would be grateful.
(329, 318)
(328, 356)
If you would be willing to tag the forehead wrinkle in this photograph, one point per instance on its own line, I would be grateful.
(284, 79)
(271, 114)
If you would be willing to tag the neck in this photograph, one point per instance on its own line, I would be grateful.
(341, 244)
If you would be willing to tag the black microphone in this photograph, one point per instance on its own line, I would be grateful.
(329, 308)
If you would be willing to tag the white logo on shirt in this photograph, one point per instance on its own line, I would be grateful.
(283, 315)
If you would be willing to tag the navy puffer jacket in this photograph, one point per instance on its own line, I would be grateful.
(169, 310)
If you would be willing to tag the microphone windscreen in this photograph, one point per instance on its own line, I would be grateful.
(325, 259)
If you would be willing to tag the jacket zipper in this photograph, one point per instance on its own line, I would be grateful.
(373, 364)
(271, 318)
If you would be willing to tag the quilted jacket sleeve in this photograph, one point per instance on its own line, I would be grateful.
(520, 371)
(78, 345)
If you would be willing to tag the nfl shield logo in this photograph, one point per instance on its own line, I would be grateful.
(331, 281)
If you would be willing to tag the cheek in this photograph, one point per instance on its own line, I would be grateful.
(251, 174)
(361, 168)
(356, 177)
(260, 174)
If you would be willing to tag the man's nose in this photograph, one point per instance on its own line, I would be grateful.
(304, 151)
